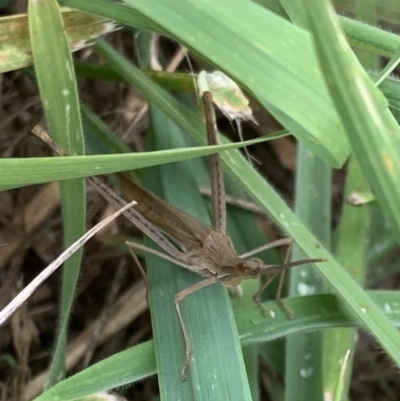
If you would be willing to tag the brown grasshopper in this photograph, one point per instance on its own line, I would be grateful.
(205, 250)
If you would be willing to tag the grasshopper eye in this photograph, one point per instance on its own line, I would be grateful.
(240, 266)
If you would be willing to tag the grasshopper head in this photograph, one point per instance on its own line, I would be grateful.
(233, 271)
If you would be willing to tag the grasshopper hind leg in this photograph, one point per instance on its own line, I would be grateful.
(178, 298)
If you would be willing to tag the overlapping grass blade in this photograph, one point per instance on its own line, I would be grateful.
(132, 365)
(246, 51)
(371, 128)
(18, 172)
(59, 95)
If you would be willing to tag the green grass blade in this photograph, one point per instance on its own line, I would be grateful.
(360, 34)
(304, 351)
(370, 38)
(357, 301)
(373, 133)
(176, 81)
(99, 138)
(389, 68)
(391, 89)
(117, 11)
(255, 49)
(351, 250)
(312, 312)
(127, 366)
(17, 172)
(59, 95)
(342, 383)
(352, 239)
(217, 369)
(245, 233)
